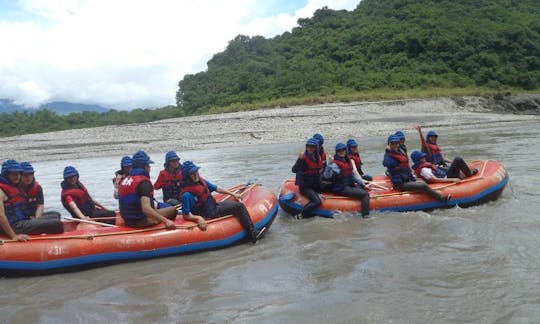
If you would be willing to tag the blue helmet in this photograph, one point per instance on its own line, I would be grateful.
(340, 146)
(170, 156)
(393, 139)
(188, 167)
(10, 166)
(27, 168)
(319, 138)
(417, 155)
(400, 134)
(70, 171)
(431, 133)
(312, 142)
(126, 161)
(351, 143)
(141, 159)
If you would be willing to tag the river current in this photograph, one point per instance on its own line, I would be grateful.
(474, 265)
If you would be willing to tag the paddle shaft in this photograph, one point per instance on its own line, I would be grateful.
(88, 221)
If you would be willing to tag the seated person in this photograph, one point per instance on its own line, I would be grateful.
(76, 199)
(352, 152)
(399, 171)
(435, 156)
(14, 221)
(401, 137)
(125, 166)
(35, 201)
(136, 197)
(344, 182)
(198, 204)
(429, 172)
(169, 178)
(308, 177)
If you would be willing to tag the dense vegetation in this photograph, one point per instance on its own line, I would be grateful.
(382, 44)
(384, 49)
(46, 120)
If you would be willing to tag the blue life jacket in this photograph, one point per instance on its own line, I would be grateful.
(397, 166)
(128, 200)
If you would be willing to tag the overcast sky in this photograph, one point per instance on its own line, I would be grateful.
(125, 54)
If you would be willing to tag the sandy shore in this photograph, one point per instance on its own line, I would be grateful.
(279, 125)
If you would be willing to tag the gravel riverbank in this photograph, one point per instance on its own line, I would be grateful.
(279, 125)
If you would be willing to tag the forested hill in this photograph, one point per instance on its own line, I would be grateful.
(382, 44)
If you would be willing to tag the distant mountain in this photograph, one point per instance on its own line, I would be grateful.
(64, 108)
(59, 107)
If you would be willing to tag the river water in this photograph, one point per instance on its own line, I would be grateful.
(475, 265)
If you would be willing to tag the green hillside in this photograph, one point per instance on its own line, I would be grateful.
(394, 45)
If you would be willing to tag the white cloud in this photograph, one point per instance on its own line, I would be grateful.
(124, 54)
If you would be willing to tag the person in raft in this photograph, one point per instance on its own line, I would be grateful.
(35, 201)
(399, 171)
(431, 173)
(320, 150)
(402, 146)
(308, 168)
(136, 197)
(169, 178)
(14, 221)
(198, 204)
(76, 199)
(354, 154)
(344, 182)
(435, 156)
(125, 167)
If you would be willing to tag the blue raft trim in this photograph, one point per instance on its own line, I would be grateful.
(138, 255)
(288, 202)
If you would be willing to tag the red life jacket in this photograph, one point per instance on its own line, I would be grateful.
(345, 177)
(418, 168)
(357, 161)
(169, 183)
(128, 199)
(31, 198)
(81, 197)
(14, 206)
(402, 172)
(313, 166)
(206, 204)
(434, 154)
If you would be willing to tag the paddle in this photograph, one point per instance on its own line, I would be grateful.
(88, 221)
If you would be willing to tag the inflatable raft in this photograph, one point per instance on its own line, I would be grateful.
(486, 185)
(85, 245)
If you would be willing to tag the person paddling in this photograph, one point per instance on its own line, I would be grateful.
(354, 155)
(199, 205)
(136, 197)
(77, 200)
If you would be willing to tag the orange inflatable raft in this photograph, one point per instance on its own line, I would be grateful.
(486, 185)
(84, 245)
